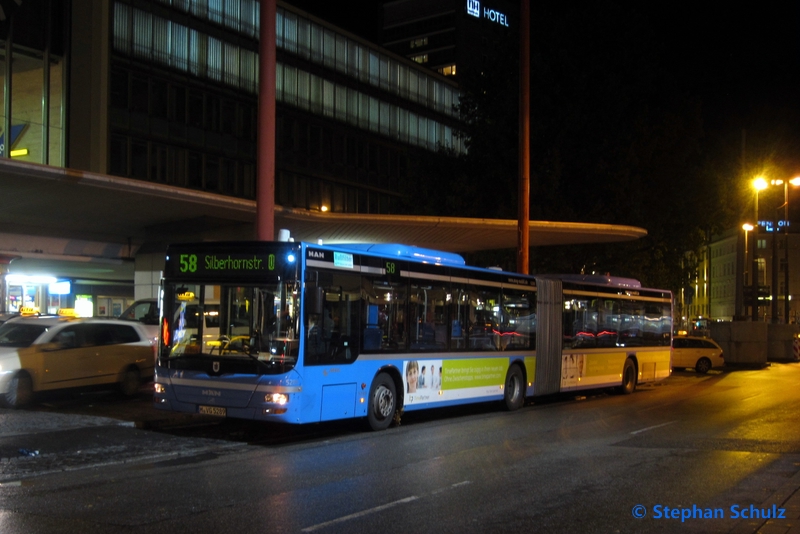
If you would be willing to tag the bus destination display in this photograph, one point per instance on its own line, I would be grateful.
(202, 263)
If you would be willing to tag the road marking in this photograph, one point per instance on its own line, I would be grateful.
(380, 508)
(651, 427)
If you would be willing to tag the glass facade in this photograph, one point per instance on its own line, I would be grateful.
(150, 37)
(32, 119)
(183, 106)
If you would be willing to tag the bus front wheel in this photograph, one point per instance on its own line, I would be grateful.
(628, 377)
(382, 402)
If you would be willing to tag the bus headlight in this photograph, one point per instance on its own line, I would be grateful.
(277, 398)
(159, 388)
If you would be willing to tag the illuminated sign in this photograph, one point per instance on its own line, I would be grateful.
(230, 263)
(769, 226)
(23, 279)
(254, 263)
(474, 9)
(15, 133)
(59, 288)
(84, 306)
(192, 263)
(342, 259)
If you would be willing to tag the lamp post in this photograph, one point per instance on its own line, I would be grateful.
(758, 184)
(773, 290)
(742, 304)
(786, 293)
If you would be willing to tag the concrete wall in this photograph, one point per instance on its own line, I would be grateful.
(741, 342)
(754, 343)
(781, 339)
(147, 278)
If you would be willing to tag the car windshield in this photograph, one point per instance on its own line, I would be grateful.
(20, 335)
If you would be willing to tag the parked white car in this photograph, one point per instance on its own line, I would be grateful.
(699, 353)
(49, 353)
(144, 311)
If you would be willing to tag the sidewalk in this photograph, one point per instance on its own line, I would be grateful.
(787, 497)
(36, 443)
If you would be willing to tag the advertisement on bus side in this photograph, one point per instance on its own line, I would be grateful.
(443, 380)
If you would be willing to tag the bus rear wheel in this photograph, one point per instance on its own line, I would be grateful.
(514, 390)
(628, 378)
(382, 402)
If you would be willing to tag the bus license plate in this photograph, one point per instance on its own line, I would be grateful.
(212, 410)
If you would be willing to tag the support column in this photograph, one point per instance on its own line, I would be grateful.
(5, 261)
(523, 206)
(148, 270)
(265, 189)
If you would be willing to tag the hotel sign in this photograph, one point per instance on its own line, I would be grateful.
(474, 8)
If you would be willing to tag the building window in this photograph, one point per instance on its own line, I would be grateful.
(119, 155)
(449, 70)
(422, 58)
(139, 163)
(416, 43)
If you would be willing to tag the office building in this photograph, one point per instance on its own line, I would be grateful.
(165, 91)
(448, 36)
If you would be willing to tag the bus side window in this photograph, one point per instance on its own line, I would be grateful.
(332, 317)
(383, 328)
(483, 319)
(519, 320)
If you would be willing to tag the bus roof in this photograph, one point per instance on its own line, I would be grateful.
(424, 255)
(598, 279)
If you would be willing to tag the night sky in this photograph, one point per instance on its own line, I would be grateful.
(663, 111)
(743, 59)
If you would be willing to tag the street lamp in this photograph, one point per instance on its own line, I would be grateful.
(759, 184)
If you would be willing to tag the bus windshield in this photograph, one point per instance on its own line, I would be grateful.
(251, 323)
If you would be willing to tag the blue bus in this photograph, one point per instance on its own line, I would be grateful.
(302, 333)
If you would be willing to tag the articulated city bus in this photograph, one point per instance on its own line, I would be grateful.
(302, 333)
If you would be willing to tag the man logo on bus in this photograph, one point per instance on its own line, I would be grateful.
(474, 8)
(215, 367)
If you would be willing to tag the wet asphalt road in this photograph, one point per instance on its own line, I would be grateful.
(564, 465)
